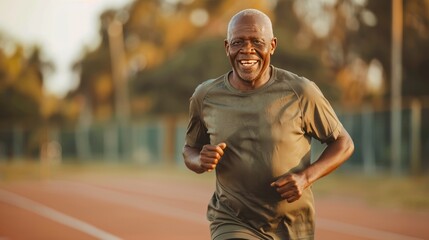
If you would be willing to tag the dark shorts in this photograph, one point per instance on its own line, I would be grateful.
(227, 229)
(230, 230)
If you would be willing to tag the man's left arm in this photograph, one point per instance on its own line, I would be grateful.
(291, 186)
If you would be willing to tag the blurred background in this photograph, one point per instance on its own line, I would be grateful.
(109, 81)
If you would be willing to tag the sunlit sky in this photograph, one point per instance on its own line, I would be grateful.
(61, 27)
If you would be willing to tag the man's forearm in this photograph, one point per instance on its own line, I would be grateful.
(335, 154)
(191, 156)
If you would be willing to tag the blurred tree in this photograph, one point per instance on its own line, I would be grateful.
(416, 47)
(24, 105)
(95, 90)
(21, 87)
(155, 33)
(295, 54)
(351, 37)
(330, 29)
(171, 46)
(171, 85)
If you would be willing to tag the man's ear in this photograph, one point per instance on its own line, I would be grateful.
(273, 45)
(226, 47)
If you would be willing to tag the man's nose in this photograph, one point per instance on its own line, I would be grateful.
(247, 47)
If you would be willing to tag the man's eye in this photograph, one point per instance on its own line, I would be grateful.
(258, 42)
(235, 43)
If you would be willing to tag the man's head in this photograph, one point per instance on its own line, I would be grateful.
(249, 45)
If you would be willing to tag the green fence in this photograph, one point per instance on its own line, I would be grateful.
(160, 140)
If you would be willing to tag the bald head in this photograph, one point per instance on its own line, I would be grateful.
(259, 16)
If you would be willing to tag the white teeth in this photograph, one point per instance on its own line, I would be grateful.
(248, 62)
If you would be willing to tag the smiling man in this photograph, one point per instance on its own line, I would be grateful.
(254, 126)
(249, 46)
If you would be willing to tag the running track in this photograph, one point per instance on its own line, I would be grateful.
(165, 207)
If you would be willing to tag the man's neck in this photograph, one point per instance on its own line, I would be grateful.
(248, 85)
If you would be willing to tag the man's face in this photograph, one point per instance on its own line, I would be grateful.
(249, 48)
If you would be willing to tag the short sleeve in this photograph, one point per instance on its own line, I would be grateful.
(196, 133)
(319, 118)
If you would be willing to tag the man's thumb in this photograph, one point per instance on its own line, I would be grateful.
(222, 145)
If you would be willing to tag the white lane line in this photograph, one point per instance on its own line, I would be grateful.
(123, 199)
(116, 197)
(158, 208)
(42, 210)
(359, 231)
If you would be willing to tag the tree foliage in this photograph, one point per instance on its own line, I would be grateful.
(160, 38)
(171, 46)
(21, 86)
(359, 32)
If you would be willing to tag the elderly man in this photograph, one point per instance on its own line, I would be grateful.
(254, 125)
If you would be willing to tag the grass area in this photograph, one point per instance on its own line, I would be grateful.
(380, 190)
(34, 170)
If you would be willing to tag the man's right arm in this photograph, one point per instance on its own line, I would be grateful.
(204, 159)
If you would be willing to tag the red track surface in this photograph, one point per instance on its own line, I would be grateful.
(155, 207)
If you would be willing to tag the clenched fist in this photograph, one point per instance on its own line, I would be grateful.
(210, 156)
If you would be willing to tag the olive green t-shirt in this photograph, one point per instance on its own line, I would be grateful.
(268, 133)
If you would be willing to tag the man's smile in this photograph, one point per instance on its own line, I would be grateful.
(248, 64)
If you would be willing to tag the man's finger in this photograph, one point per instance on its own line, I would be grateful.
(280, 182)
(222, 145)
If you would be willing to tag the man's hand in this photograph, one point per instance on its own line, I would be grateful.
(291, 186)
(210, 156)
